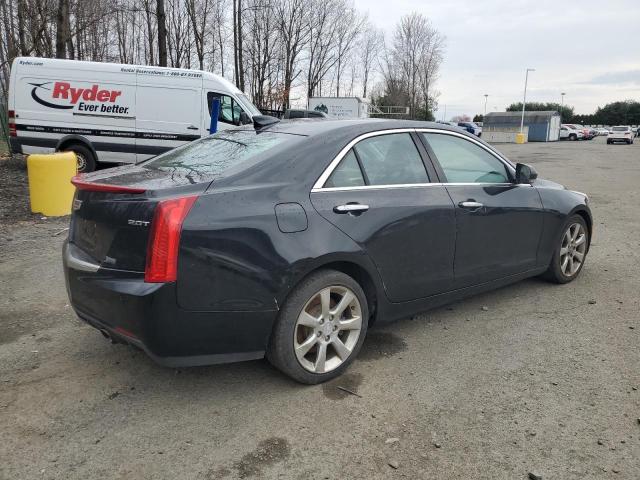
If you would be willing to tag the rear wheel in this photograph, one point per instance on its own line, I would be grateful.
(85, 157)
(573, 136)
(571, 252)
(320, 328)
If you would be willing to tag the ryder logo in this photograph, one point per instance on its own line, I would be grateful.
(65, 96)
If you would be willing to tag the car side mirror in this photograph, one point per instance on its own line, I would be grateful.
(244, 118)
(525, 173)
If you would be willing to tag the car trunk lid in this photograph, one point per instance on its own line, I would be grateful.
(113, 212)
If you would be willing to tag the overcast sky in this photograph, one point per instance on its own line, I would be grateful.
(588, 49)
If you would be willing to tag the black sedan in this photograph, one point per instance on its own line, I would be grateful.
(290, 239)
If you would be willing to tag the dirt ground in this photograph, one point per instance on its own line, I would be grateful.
(533, 378)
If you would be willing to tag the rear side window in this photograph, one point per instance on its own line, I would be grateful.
(347, 174)
(391, 159)
(465, 162)
(214, 155)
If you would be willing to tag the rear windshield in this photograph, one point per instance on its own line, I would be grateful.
(619, 129)
(221, 152)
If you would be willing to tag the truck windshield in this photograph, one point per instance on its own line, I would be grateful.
(219, 153)
(250, 107)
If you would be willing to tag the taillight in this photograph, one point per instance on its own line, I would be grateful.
(164, 240)
(81, 184)
(13, 132)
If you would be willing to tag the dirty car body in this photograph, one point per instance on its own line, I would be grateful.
(264, 211)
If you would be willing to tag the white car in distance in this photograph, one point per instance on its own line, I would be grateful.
(620, 133)
(568, 132)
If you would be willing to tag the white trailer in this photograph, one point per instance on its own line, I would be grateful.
(340, 107)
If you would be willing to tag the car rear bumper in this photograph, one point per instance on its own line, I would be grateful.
(146, 315)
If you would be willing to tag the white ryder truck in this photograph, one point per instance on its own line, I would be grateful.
(114, 113)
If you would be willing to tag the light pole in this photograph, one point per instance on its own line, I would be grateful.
(524, 101)
(486, 96)
(561, 103)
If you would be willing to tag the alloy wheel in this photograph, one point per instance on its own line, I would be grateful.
(82, 162)
(573, 249)
(328, 329)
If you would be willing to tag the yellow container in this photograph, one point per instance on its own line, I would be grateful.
(50, 188)
(519, 137)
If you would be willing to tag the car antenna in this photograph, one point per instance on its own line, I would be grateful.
(262, 121)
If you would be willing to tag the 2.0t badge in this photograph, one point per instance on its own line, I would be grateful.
(138, 223)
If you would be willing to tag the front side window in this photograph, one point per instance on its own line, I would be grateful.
(230, 110)
(465, 162)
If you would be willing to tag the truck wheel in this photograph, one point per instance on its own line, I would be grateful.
(86, 159)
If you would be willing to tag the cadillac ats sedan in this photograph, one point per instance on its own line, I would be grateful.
(289, 240)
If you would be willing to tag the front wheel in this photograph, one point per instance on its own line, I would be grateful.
(573, 137)
(84, 156)
(320, 328)
(571, 252)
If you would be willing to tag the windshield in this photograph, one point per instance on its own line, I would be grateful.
(246, 103)
(216, 154)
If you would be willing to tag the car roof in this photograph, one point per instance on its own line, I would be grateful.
(354, 127)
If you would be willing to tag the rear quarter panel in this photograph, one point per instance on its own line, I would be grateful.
(234, 257)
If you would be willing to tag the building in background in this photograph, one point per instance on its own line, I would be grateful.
(542, 126)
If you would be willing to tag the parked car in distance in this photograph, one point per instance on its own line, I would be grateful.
(621, 133)
(471, 127)
(587, 133)
(569, 132)
(290, 239)
(601, 131)
(302, 113)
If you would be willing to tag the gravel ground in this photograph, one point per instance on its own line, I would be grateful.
(542, 380)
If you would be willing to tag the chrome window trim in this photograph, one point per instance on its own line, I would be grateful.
(318, 185)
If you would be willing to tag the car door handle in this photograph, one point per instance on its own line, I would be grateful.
(471, 205)
(192, 127)
(354, 208)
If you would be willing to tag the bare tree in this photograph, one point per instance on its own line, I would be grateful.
(293, 31)
(162, 33)
(371, 46)
(348, 29)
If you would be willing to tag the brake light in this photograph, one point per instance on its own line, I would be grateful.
(164, 240)
(81, 184)
(13, 132)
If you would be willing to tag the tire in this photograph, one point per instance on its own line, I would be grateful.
(573, 137)
(295, 348)
(86, 159)
(608, 142)
(558, 271)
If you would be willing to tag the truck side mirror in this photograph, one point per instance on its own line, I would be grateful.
(244, 118)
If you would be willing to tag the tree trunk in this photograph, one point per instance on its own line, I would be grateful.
(61, 23)
(240, 60)
(162, 33)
